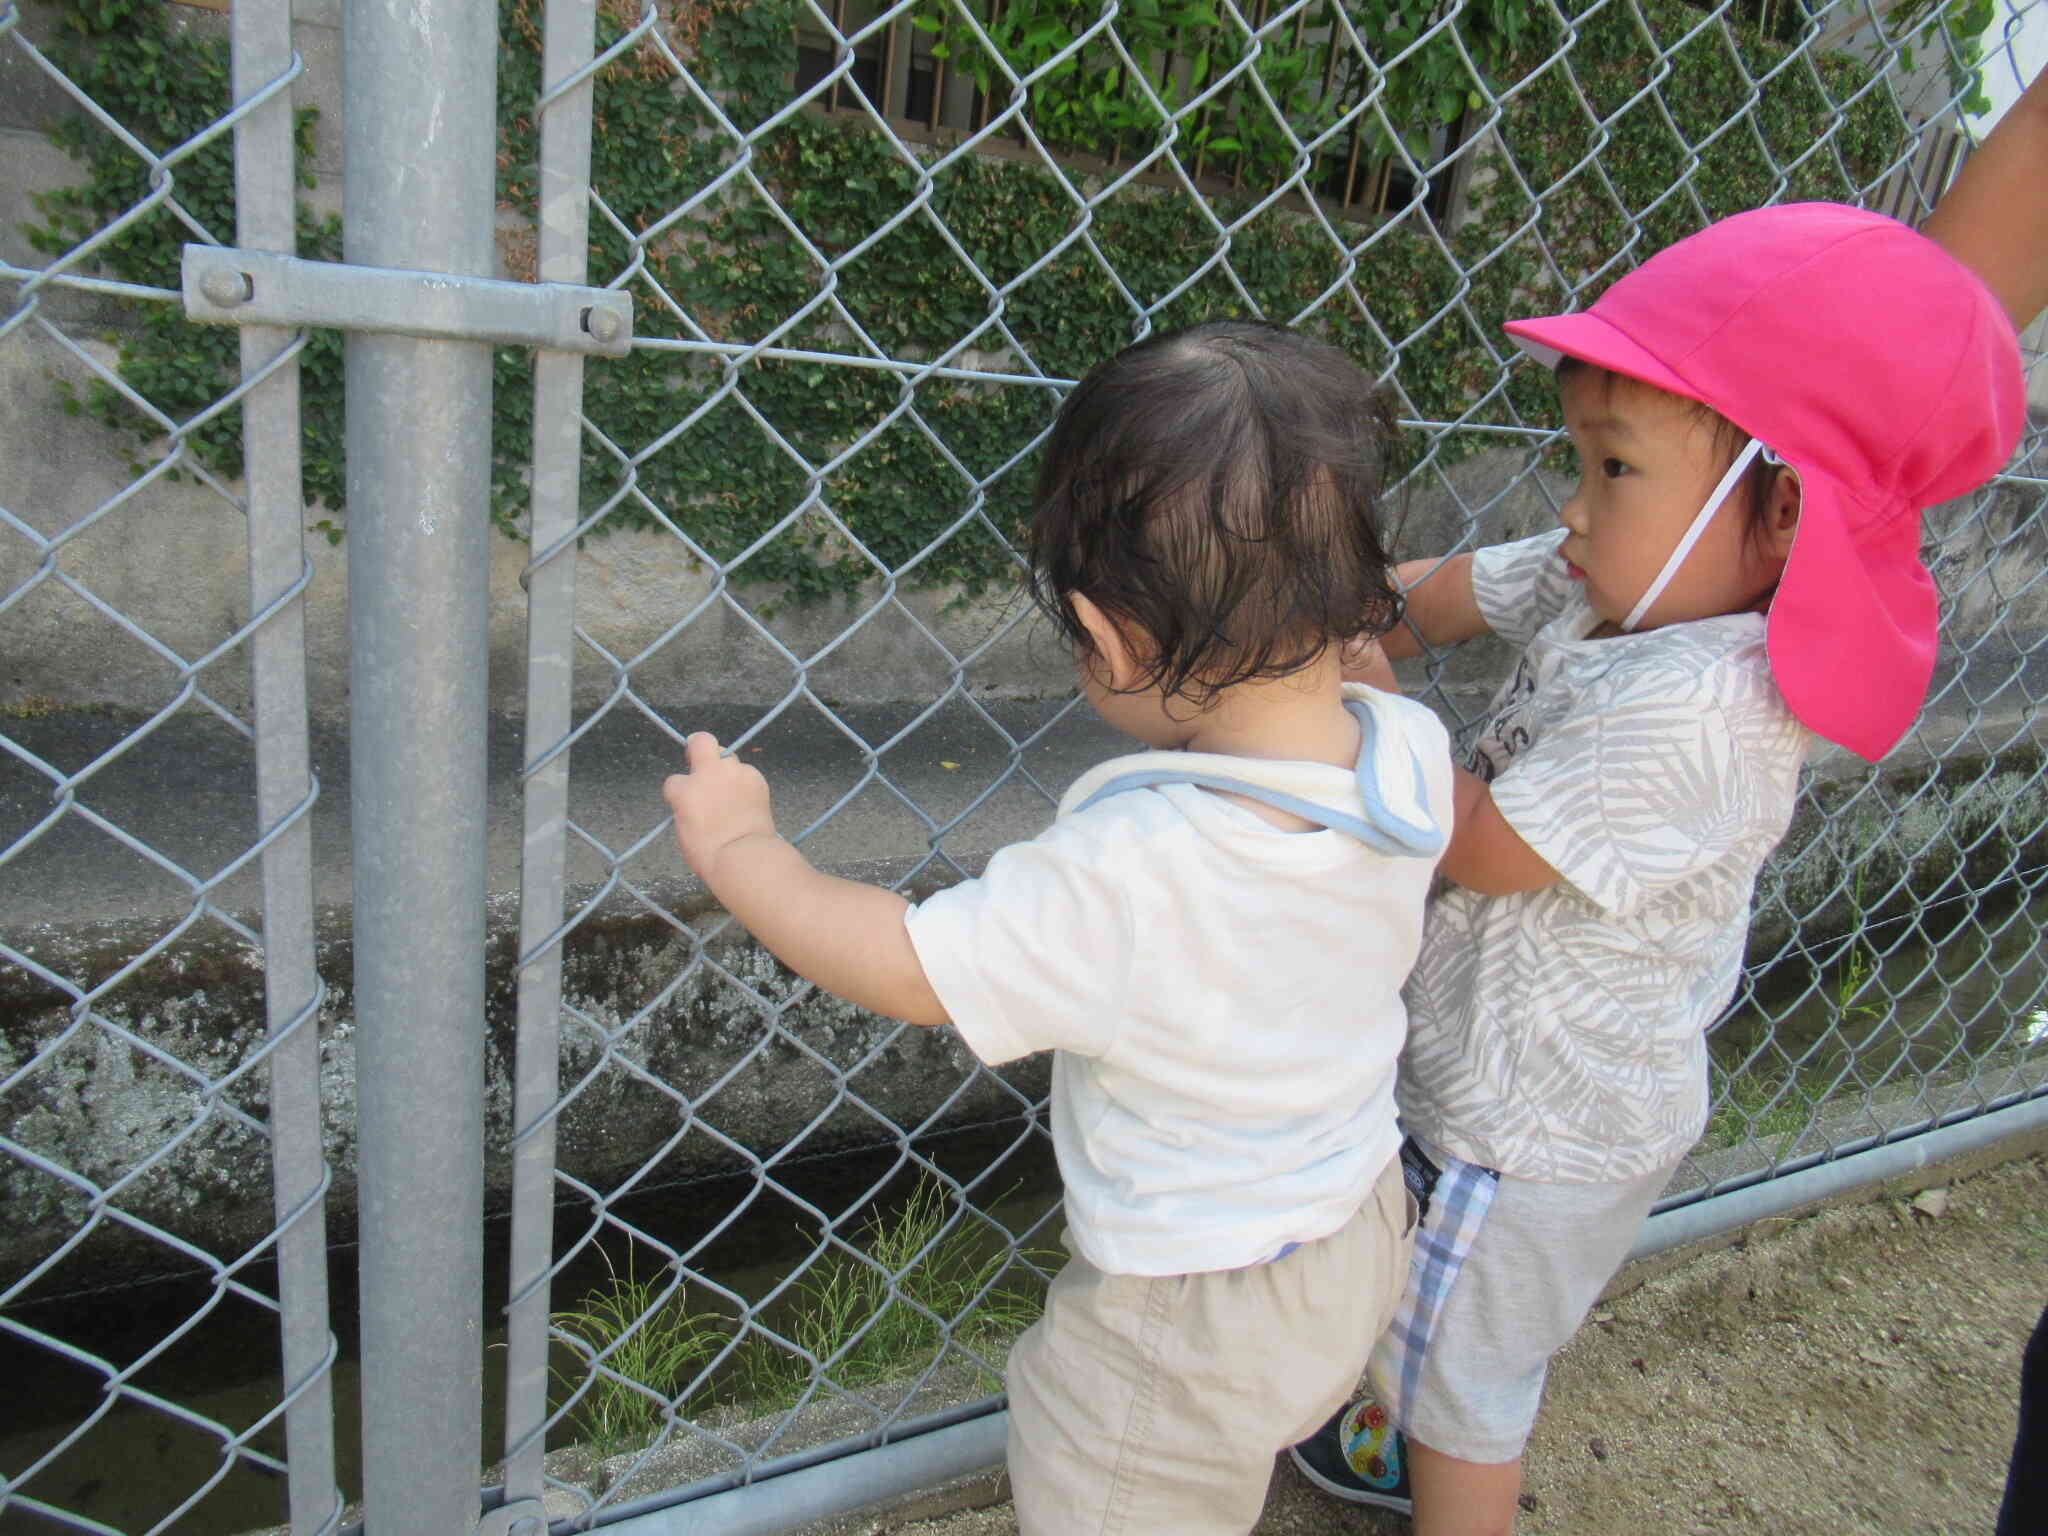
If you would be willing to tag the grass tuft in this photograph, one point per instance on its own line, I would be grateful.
(636, 1341)
(1758, 1104)
(895, 1312)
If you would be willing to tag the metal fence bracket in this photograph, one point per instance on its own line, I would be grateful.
(522, 1517)
(227, 286)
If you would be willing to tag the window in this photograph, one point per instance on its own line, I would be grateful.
(923, 97)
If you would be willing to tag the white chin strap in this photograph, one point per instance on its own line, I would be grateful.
(1700, 520)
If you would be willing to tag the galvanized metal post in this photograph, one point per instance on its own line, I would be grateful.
(265, 196)
(419, 193)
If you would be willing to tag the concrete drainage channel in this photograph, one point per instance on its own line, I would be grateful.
(87, 912)
(227, 1371)
(83, 911)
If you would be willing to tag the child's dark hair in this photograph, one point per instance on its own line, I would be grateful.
(1215, 491)
(1729, 439)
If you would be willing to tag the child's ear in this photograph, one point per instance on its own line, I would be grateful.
(1781, 514)
(1113, 655)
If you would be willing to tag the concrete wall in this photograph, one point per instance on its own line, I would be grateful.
(103, 1110)
(170, 556)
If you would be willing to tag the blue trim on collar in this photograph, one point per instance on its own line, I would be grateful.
(1381, 828)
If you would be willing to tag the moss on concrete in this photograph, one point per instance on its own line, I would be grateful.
(689, 1069)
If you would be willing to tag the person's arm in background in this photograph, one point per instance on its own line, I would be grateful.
(1994, 220)
(1485, 853)
(1440, 611)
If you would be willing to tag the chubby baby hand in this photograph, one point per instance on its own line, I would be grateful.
(718, 802)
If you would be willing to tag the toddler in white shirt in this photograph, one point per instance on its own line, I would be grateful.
(1211, 936)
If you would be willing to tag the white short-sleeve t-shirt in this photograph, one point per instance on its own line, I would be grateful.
(1559, 1035)
(1223, 995)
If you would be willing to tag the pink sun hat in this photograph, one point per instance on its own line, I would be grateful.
(1875, 365)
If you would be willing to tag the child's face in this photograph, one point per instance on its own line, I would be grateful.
(1647, 463)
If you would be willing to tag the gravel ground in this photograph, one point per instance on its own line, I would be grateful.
(1849, 1372)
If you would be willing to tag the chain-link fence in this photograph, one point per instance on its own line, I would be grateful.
(738, 1230)
(124, 1105)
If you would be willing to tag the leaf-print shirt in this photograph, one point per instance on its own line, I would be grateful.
(1559, 1035)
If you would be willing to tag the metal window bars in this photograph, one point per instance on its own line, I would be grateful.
(900, 70)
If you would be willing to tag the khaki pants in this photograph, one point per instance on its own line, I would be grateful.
(1154, 1406)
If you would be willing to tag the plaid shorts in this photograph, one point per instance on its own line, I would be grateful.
(1504, 1271)
(1453, 1197)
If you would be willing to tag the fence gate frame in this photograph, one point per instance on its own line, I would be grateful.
(421, 311)
(263, 61)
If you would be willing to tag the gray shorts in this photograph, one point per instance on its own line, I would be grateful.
(1536, 1265)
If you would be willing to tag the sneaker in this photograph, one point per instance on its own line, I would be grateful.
(1358, 1456)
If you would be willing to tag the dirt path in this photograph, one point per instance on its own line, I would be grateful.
(1834, 1375)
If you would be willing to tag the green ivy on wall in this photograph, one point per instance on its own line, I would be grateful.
(1253, 103)
(799, 237)
(165, 84)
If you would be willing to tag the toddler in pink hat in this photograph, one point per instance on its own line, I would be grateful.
(1760, 413)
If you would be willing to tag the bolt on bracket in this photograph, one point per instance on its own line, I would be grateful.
(522, 1517)
(226, 286)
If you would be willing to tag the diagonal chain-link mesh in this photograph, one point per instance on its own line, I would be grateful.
(124, 1109)
(870, 245)
(858, 303)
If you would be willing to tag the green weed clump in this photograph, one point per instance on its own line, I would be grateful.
(918, 1289)
(1765, 1106)
(637, 1343)
(887, 1315)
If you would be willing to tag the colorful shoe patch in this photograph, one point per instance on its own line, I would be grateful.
(1357, 1456)
(1372, 1446)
